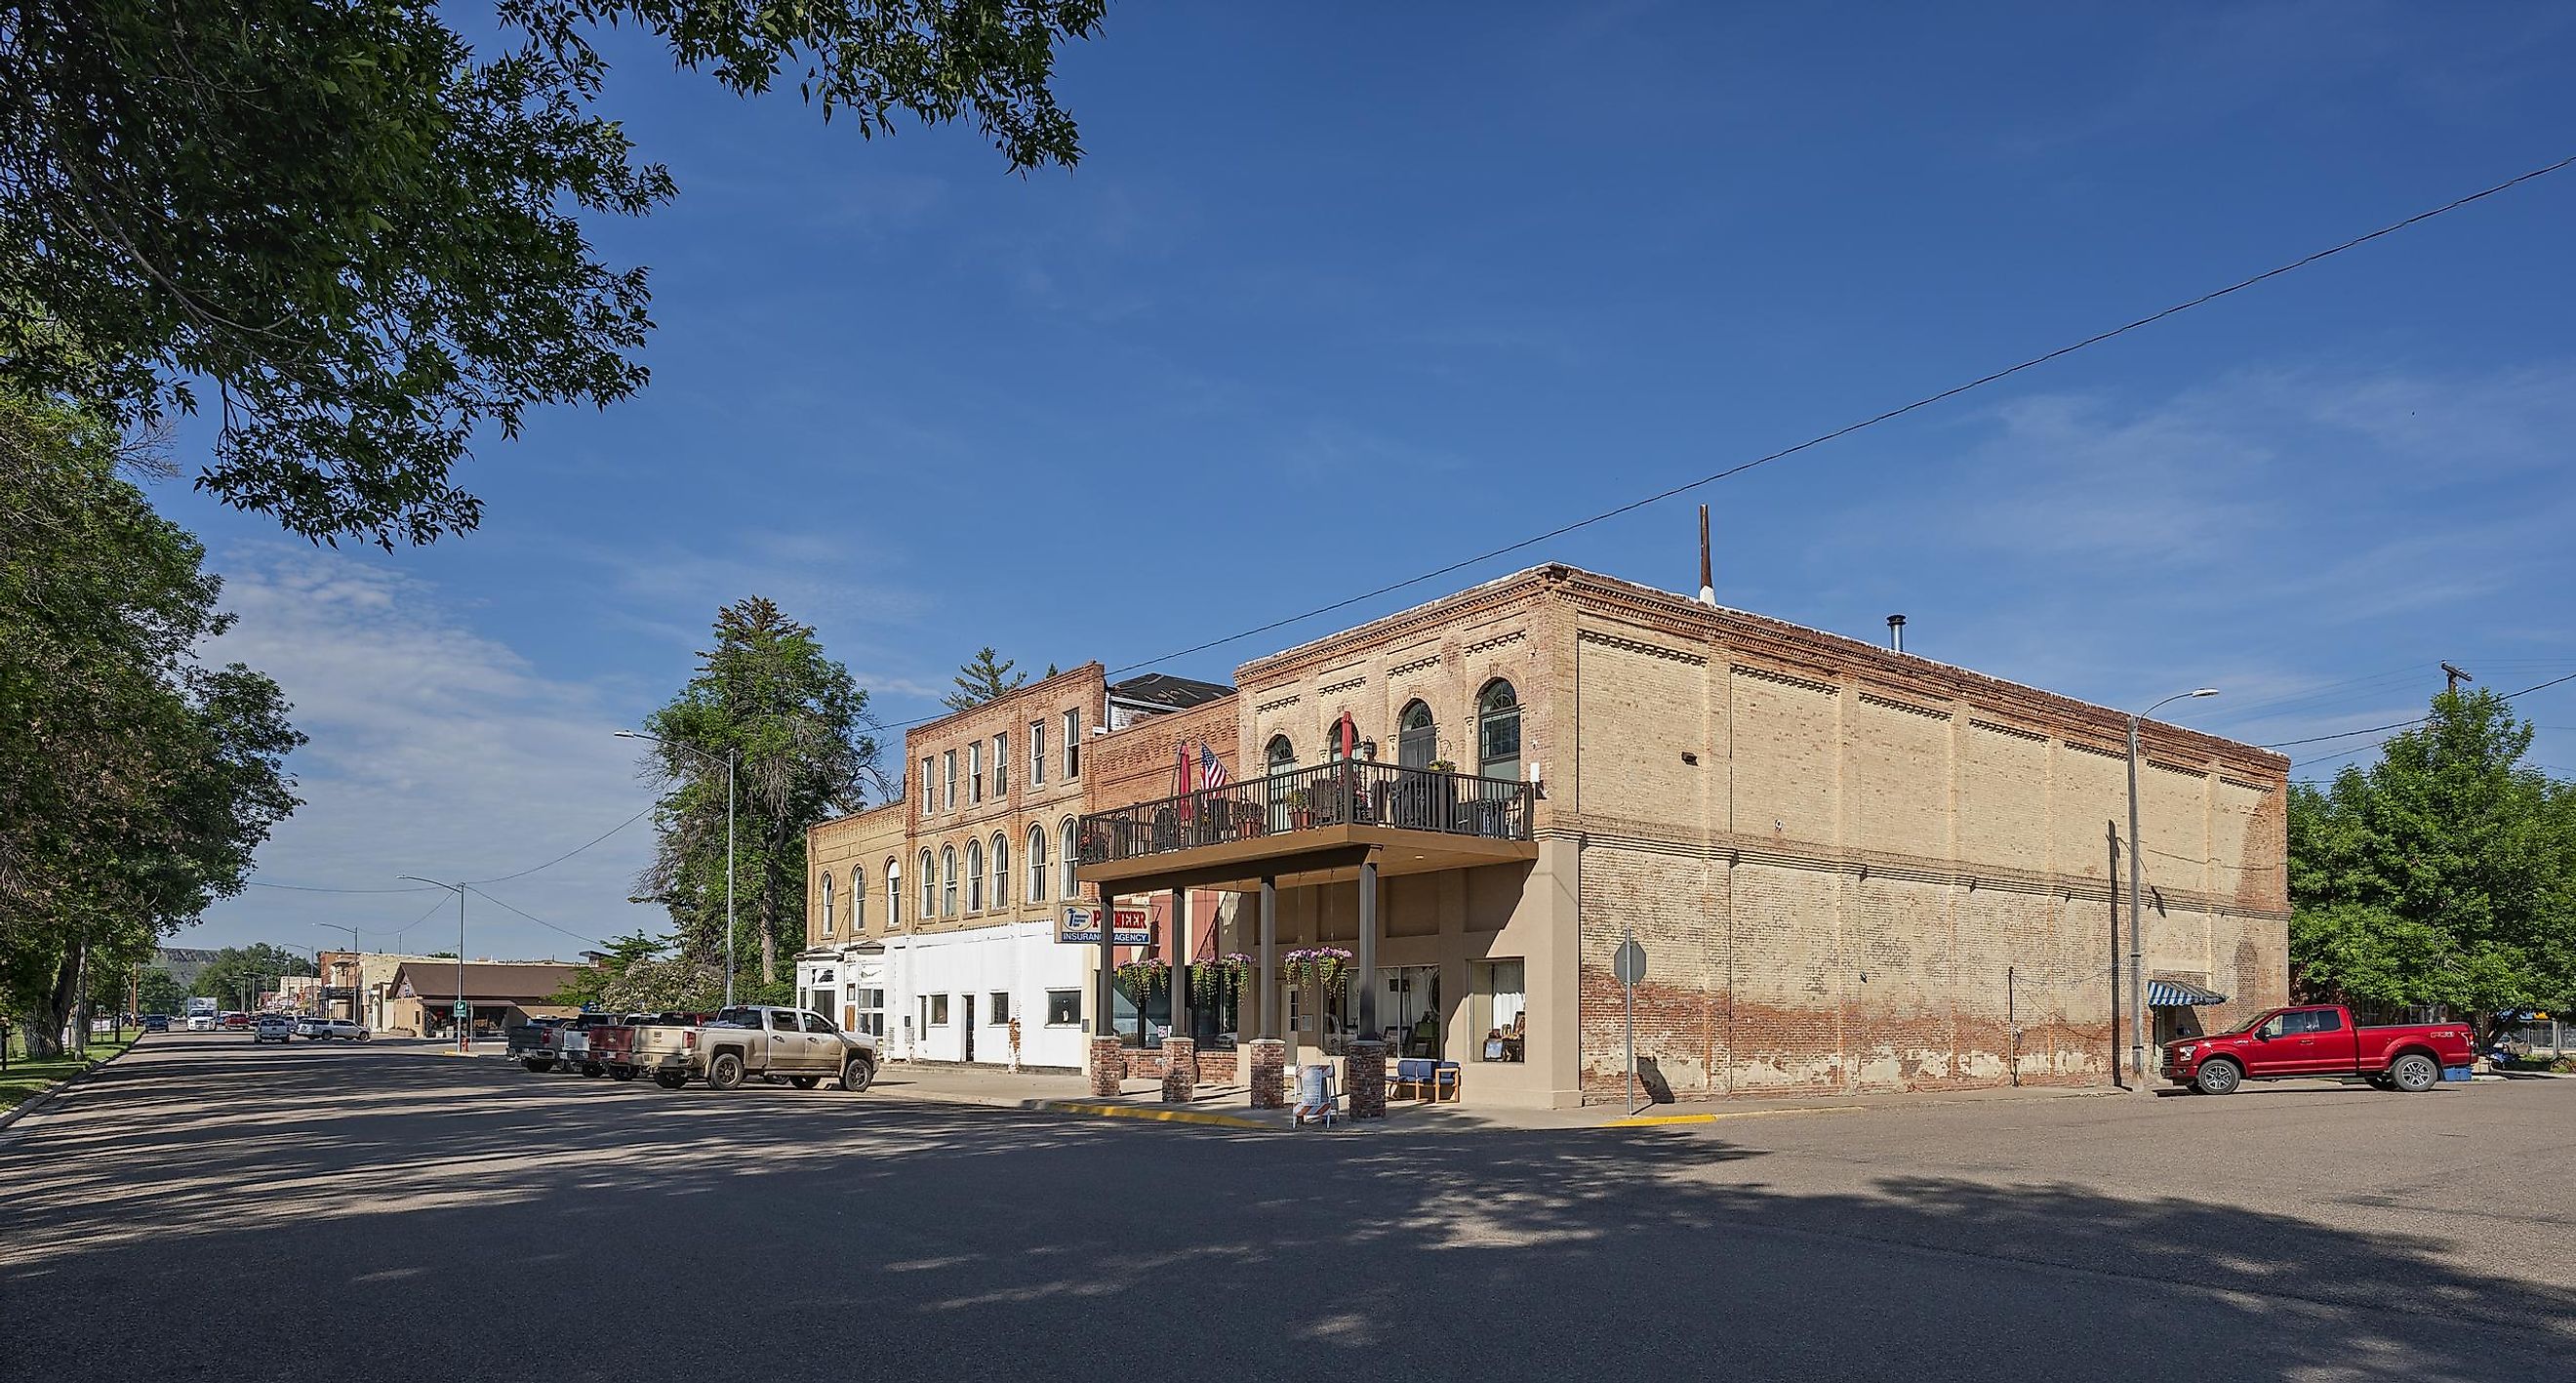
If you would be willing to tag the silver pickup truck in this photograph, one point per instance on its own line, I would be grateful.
(797, 1045)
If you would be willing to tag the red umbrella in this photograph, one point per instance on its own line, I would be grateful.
(1350, 737)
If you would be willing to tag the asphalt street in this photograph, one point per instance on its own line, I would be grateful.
(206, 1208)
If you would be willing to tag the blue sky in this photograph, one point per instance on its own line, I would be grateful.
(1341, 294)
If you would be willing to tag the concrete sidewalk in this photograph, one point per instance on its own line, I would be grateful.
(1230, 1106)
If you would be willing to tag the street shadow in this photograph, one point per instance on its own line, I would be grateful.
(473, 1220)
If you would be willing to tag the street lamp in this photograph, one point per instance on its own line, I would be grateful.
(465, 1020)
(2137, 957)
(732, 756)
(357, 970)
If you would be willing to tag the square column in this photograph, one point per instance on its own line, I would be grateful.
(1366, 1009)
(1269, 1073)
(1180, 1070)
(1268, 1026)
(1184, 1024)
(1108, 1064)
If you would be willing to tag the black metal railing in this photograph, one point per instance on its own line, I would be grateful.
(1353, 792)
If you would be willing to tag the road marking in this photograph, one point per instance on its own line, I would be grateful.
(1164, 1116)
(1653, 1120)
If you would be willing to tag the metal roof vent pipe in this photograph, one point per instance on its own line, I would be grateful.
(1896, 633)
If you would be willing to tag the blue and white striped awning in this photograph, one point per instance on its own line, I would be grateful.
(2180, 994)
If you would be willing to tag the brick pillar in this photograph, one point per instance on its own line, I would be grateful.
(1269, 1073)
(1365, 1076)
(1108, 1064)
(1180, 1069)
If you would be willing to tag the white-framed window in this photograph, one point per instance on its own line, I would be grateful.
(929, 891)
(938, 1010)
(1000, 999)
(974, 876)
(948, 881)
(871, 1006)
(948, 776)
(894, 892)
(1280, 756)
(929, 802)
(1073, 744)
(1002, 764)
(827, 902)
(975, 771)
(858, 899)
(1498, 731)
(1498, 1009)
(1065, 885)
(1037, 864)
(1001, 870)
(1064, 1008)
(1037, 753)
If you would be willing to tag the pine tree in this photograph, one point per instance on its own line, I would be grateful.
(983, 679)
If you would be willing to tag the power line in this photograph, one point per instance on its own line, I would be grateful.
(1874, 420)
(549, 926)
(306, 888)
(2400, 725)
(568, 854)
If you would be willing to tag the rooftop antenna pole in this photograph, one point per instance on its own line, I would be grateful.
(2456, 676)
(1707, 589)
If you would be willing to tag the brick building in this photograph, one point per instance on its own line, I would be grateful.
(1850, 868)
(932, 921)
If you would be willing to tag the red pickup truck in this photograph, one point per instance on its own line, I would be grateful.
(2318, 1040)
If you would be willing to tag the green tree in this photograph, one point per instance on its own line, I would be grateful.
(798, 722)
(983, 679)
(370, 239)
(588, 986)
(135, 780)
(2442, 874)
(156, 992)
(250, 970)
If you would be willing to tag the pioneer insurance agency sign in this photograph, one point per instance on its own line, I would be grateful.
(1082, 925)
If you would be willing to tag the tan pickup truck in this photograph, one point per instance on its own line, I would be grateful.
(796, 1045)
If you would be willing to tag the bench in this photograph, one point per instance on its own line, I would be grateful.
(1425, 1079)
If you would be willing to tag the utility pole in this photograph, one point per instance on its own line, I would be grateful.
(2137, 949)
(2456, 676)
(732, 761)
(2111, 832)
(464, 1021)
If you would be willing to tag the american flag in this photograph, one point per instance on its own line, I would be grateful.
(1212, 774)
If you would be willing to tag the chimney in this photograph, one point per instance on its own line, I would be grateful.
(1707, 592)
(1896, 632)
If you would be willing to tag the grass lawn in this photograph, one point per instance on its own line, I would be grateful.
(25, 1080)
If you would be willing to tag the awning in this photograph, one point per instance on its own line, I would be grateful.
(2180, 994)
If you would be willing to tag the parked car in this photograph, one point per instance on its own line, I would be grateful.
(320, 1029)
(658, 1043)
(531, 1044)
(799, 1045)
(233, 1022)
(2319, 1040)
(156, 1022)
(571, 1042)
(273, 1027)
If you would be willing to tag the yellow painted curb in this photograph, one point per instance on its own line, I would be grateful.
(1162, 1116)
(1652, 1120)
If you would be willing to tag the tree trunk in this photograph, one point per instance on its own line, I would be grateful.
(44, 1023)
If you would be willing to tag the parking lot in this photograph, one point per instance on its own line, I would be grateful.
(343, 1209)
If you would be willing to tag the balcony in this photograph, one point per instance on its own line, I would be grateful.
(1310, 822)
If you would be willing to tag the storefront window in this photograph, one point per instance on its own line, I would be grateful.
(1064, 1008)
(1498, 1009)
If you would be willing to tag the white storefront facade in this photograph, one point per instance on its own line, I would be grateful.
(957, 996)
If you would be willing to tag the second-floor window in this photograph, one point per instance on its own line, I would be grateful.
(858, 899)
(1067, 882)
(1002, 765)
(929, 891)
(975, 771)
(827, 902)
(974, 876)
(1001, 871)
(928, 802)
(1037, 753)
(948, 773)
(1073, 744)
(1037, 864)
(948, 881)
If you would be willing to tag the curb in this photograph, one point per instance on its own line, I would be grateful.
(46, 1098)
(1658, 1120)
(1160, 1116)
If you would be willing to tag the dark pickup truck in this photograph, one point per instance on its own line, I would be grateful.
(532, 1043)
(2319, 1040)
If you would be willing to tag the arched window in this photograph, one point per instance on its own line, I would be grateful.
(1498, 731)
(1281, 756)
(827, 902)
(894, 892)
(858, 900)
(1066, 884)
(948, 881)
(1416, 742)
(929, 891)
(1001, 871)
(1037, 864)
(974, 876)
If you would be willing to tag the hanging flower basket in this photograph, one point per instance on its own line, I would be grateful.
(1209, 979)
(1323, 963)
(1147, 976)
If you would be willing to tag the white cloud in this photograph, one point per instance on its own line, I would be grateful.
(436, 751)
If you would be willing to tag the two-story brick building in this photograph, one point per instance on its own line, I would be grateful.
(1850, 868)
(932, 921)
